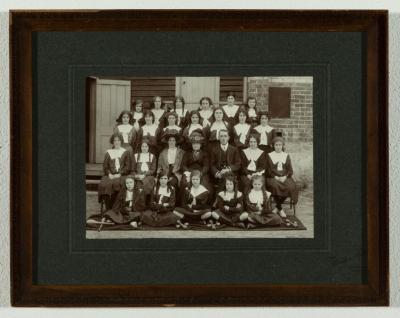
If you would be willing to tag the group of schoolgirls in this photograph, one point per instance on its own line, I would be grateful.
(213, 166)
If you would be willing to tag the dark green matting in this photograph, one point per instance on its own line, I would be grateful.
(63, 60)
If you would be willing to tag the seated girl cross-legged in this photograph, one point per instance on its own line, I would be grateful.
(162, 205)
(257, 205)
(128, 205)
(229, 203)
(195, 203)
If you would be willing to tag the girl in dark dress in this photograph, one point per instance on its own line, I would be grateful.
(230, 109)
(144, 167)
(181, 111)
(125, 128)
(171, 120)
(149, 131)
(212, 133)
(241, 130)
(158, 110)
(206, 111)
(252, 112)
(170, 159)
(116, 165)
(266, 132)
(162, 205)
(252, 162)
(257, 204)
(128, 206)
(193, 124)
(137, 114)
(279, 176)
(195, 206)
(229, 204)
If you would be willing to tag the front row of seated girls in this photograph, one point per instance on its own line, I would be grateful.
(233, 208)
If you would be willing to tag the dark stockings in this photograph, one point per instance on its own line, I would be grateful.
(279, 200)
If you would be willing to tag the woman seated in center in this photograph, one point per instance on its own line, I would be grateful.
(196, 159)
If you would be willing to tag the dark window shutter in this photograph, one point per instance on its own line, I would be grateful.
(279, 102)
(148, 87)
(231, 84)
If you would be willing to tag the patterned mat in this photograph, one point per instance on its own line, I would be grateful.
(95, 223)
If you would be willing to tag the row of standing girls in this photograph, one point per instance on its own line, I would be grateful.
(159, 153)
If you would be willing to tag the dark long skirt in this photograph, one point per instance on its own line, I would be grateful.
(282, 189)
(228, 218)
(245, 184)
(154, 218)
(119, 218)
(269, 219)
(190, 215)
(109, 186)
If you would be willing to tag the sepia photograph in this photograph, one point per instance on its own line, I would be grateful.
(199, 157)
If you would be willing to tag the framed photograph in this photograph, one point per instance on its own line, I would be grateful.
(183, 158)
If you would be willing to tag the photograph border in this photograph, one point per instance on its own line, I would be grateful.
(375, 25)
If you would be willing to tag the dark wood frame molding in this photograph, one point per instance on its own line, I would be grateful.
(25, 293)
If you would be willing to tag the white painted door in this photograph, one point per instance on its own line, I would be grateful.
(194, 88)
(112, 97)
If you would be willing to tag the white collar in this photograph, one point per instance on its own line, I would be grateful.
(229, 195)
(196, 192)
(144, 157)
(218, 125)
(116, 153)
(174, 127)
(242, 128)
(252, 112)
(149, 129)
(278, 157)
(125, 127)
(261, 128)
(224, 147)
(256, 197)
(253, 154)
(164, 191)
(194, 127)
(181, 111)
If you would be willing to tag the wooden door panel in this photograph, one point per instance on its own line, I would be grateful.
(194, 88)
(112, 97)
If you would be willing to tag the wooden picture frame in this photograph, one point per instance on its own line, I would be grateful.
(26, 293)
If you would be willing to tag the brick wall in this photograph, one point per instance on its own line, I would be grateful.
(299, 127)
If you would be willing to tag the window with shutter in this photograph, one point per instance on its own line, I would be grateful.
(279, 102)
